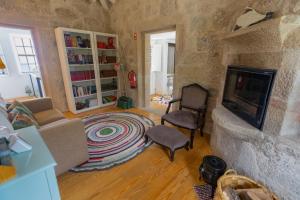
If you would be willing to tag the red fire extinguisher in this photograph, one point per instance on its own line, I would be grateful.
(132, 79)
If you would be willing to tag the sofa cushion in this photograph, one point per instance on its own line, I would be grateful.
(48, 116)
(182, 118)
(17, 107)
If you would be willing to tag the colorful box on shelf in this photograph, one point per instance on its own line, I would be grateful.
(76, 41)
(82, 75)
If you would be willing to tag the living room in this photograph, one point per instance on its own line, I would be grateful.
(89, 134)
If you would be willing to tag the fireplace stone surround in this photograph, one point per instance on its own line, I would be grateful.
(270, 156)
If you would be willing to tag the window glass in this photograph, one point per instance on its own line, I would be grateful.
(25, 53)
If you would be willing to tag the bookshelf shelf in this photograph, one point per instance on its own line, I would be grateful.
(104, 64)
(85, 96)
(100, 49)
(109, 91)
(83, 83)
(78, 48)
(80, 65)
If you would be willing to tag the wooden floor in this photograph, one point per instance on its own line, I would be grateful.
(150, 175)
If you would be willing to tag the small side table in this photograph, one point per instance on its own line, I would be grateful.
(168, 137)
(35, 178)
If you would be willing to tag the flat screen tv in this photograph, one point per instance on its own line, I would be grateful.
(247, 91)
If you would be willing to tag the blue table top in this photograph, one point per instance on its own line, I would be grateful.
(30, 162)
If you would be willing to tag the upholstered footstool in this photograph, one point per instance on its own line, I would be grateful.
(168, 137)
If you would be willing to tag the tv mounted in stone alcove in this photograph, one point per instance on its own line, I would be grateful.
(247, 91)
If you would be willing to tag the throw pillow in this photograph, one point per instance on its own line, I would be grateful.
(20, 116)
(22, 120)
(18, 107)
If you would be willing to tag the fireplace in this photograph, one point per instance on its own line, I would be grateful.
(247, 91)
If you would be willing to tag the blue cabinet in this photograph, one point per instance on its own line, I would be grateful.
(35, 178)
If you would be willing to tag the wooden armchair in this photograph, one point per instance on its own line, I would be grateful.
(192, 110)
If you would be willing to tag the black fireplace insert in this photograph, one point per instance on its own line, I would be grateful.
(247, 91)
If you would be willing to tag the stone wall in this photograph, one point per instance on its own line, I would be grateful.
(270, 156)
(201, 24)
(43, 16)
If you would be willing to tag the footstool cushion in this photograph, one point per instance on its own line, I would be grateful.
(168, 137)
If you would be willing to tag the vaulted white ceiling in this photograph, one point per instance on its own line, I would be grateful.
(106, 4)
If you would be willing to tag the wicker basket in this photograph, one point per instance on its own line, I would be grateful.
(235, 181)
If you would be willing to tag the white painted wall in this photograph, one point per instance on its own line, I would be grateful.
(158, 79)
(13, 85)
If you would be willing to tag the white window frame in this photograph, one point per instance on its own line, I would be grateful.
(2, 56)
(17, 55)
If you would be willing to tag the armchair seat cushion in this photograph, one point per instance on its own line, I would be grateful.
(48, 116)
(182, 118)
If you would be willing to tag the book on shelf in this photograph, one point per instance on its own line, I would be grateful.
(80, 91)
(109, 99)
(82, 75)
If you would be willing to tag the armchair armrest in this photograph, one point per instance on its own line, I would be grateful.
(66, 139)
(170, 103)
(39, 105)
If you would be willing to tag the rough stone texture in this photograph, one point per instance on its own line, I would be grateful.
(270, 156)
(43, 16)
(198, 25)
(273, 161)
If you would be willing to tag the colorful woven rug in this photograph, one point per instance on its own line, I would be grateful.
(114, 138)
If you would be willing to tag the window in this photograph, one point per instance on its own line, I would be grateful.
(26, 55)
(3, 71)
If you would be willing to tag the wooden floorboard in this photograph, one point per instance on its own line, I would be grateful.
(150, 175)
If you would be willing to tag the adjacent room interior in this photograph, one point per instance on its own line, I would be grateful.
(162, 69)
(20, 77)
(160, 99)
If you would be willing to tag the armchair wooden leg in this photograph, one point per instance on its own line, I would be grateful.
(146, 139)
(162, 122)
(172, 153)
(201, 131)
(192, 138)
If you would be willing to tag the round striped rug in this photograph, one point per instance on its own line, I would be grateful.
(114, 138)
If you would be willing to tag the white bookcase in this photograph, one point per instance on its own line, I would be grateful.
(87, 61)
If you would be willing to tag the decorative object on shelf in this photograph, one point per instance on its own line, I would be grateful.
(101, 45)
(114, 138)
(110, 43)
(251, 17)
(68, 40)
(28, 90)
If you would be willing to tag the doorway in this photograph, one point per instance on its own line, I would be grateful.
(20, 76)
(160, 52)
